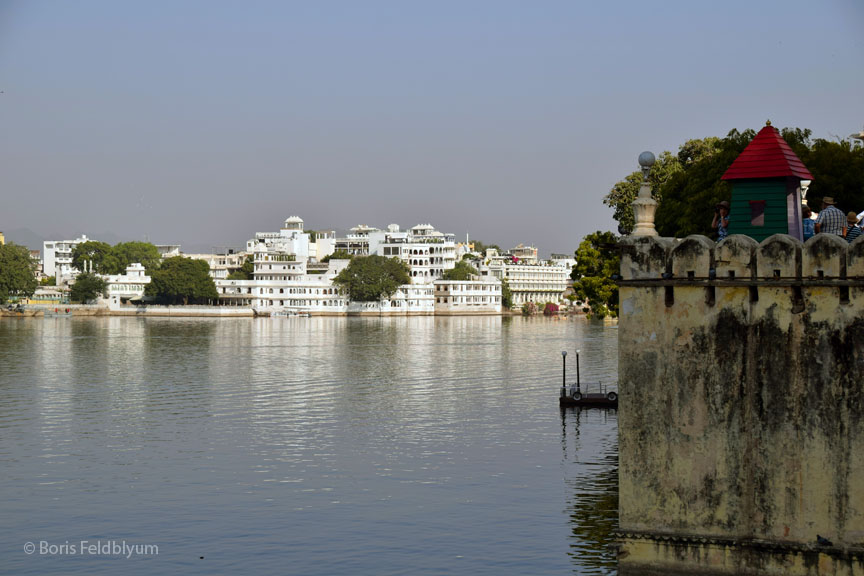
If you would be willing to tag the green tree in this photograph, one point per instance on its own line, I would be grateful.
(461, 271)
(371, 278)
(246, 272)
(481, 247)
(597, 259)
(337, 255)
(91, 251)
(87, 287)
(182, 280)
(48, 281)
(506, 294)
(688, 197)
(125, 253)
(838, 171)
(16, 272)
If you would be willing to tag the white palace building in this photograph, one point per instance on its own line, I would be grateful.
(282, 284)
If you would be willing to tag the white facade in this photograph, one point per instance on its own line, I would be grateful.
(57, 258)
(482, 295)
(289, 240)
(409, 300)
(323, 246)
(121, 288)
(539, 283)
(356, 242)
(221, 265)
(426, 251)
(526, 254)
(281, 284)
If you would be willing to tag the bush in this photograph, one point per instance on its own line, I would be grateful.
(550, 309)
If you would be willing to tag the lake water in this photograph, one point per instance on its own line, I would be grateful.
(308, 446)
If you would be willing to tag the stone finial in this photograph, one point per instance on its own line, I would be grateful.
(644, 206)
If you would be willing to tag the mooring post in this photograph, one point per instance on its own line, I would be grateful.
(578, 383)
(564, 373)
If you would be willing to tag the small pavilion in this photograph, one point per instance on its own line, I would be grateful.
(766, 188)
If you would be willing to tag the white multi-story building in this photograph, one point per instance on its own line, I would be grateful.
(538, 282)
(426, 251)
(408, 300)
(563, 260)
(221, 265)
(289, 240)
(57, 259)
(323, 245)
(526, 254)
(356, 242)
(122, 288)
(480, 295)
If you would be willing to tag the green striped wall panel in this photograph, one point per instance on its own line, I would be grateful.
(774, 194)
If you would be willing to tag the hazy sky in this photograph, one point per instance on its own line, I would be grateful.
(203, 122)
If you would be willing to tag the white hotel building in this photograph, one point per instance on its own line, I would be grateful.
(123, 288)
(426, 251)
(529, 281)
(281, 283)
(481, 295)
(57, 259)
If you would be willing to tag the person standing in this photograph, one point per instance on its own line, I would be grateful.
(854, 230)
(721, 220)
(831, 220)
(808, 224)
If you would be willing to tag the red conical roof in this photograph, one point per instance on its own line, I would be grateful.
(767, 156)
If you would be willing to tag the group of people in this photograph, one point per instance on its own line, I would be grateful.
(830, 220)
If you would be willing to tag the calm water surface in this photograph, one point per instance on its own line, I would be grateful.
(309, 446)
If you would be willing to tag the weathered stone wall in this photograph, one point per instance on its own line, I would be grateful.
(741, 369)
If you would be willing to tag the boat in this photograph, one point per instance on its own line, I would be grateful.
(289, 314)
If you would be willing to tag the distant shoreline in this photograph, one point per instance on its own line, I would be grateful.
(83, 310)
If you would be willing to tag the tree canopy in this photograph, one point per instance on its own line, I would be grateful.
(16, 272)
(481, 247)
(109, 259)
(125, 253)
(597, 259)
(337, 255)
(182, 280)
(91, 251)
(462, 271)
(87, 287)
(687, 185)
(246, 272)
(372, 278)
(506, 294)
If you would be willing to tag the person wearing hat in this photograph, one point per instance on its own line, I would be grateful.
(721, 219)
(831, 220)
(854, 230)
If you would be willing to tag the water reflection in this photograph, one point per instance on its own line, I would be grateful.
(331, 445)
(590, 446)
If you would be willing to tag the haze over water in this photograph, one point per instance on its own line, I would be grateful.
(312, 446)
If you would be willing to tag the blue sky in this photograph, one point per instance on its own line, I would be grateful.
(203, 122)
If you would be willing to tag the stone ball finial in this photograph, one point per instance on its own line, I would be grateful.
(646, 159)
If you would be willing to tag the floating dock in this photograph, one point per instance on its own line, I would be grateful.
(592, 395)
(575, 397)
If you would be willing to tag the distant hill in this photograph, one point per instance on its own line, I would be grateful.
(24, 237)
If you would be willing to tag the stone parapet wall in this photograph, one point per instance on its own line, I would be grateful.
(741, 375)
